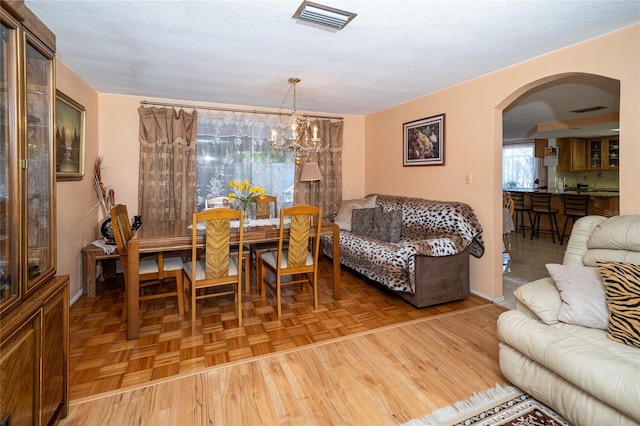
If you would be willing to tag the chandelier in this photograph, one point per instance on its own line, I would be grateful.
(294, 131)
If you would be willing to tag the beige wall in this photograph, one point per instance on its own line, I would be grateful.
(76, 222)
(473, 138)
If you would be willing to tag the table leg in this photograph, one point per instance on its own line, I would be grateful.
(132, 287)
(89, 273)
(336, 262)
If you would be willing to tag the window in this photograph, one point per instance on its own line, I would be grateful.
(518, 166)
(232, 145)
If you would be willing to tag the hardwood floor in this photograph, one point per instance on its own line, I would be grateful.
(103, 360)
(384, 377)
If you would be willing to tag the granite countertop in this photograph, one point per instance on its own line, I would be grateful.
(604, 192)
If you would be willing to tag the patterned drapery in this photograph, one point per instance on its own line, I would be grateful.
(329, 158)
(167, 176)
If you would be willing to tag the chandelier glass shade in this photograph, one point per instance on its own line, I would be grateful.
(294, 131)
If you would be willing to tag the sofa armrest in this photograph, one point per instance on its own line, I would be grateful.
(541, 298)
(580, 233)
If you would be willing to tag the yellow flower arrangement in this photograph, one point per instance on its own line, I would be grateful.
(244, 192)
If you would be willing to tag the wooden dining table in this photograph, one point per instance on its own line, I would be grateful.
(165, 236)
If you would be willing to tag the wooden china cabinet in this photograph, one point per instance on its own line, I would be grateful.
(34, 302)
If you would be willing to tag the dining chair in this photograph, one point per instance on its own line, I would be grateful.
(575, 207)
(152, 271)
(217, 202)
(507, 222)
(266, 208)
(520, 208)
(295, 264)
(224, 202)
(219, 266)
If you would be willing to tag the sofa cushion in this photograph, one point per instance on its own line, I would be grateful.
(582, 292)
(343, 218)
(362, 221)
(617, 233)
(387, 226)
(622, 285)
(616, 239)
(542, 298)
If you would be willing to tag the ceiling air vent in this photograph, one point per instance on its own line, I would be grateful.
(589, 109)
(323, 15)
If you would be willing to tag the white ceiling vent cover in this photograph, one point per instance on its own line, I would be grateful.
(323, 15)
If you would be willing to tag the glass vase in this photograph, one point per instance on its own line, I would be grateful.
(247, 215)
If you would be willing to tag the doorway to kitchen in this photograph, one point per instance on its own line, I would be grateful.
(561, 131)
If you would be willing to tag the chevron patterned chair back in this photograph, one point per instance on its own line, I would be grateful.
(297, 261)
(218, 266)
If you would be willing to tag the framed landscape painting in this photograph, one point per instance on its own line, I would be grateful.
(424, 142)
(69, 138)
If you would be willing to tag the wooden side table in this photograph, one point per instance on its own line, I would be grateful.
(90, 255)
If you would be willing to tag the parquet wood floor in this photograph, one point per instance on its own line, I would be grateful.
(102, 359)
(384, 376)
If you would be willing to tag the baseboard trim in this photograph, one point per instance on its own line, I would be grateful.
(491, 299)
(75, 298)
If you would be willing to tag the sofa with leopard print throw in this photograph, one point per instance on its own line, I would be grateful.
(416, 247)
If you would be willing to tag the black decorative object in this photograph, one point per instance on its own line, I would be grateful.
(137, 223)
(107, 231)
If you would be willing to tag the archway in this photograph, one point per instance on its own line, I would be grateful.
(577, 105)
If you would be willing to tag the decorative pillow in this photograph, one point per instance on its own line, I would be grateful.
(387, 226)
(582, 292)
(343, 218)
(622, 286)
(362, 221)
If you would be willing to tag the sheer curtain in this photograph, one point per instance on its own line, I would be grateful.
(329, 158)
(167, 176)
(236, 145)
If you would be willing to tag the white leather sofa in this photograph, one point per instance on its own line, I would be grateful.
(586, 377)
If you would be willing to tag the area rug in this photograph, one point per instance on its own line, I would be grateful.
(500, 405)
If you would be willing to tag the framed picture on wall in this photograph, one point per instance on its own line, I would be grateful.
(424, 142)
(69, 138)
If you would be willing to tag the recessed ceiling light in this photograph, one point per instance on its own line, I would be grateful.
(589, 109)
(323, 15)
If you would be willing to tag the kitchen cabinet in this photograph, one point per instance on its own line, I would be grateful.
(539, 147)
(34, 340)
(572, 154)
(603, 153)
(595, 154)
(612, 150)
(604, 206)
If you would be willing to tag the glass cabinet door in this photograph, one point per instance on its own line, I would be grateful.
(594, 153)
(613, 150)
(39, 156)
(9, 270)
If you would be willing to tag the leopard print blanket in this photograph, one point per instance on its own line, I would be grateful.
(429, 228)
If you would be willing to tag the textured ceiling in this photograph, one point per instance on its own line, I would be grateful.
(243, 52)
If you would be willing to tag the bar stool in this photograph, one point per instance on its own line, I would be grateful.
(519, 209)
(575, 207)
(541, 205)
